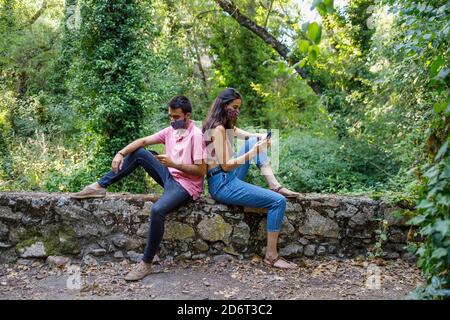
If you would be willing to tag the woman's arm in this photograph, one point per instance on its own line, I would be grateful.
(242, 134)
(219, 140)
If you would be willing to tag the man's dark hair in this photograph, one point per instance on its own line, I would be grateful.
(180, 102)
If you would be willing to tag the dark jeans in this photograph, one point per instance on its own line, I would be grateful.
(174, 194)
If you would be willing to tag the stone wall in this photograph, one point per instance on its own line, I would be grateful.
(42, 224)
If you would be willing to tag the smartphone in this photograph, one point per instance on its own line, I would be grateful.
(269, 134)
(154, 152)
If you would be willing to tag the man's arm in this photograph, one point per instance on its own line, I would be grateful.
(117, 162)
(140, 143)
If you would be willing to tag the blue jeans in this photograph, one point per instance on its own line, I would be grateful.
(174, 194)
(230, 188)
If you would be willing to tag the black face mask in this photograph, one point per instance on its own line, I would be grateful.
(178, 124)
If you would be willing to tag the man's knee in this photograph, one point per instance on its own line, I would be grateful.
(158, 212)
(139, 151)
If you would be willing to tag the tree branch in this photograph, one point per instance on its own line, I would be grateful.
(283, 51)
(38, 13)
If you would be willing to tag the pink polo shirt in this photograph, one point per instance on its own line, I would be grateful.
(184, 147)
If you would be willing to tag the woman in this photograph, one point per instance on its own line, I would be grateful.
(226, 174)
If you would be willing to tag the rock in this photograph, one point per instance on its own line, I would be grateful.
(119, 240)
(214, 229)
(201, 245)
(178, 231)
(4, 245)
(8, 256)
(57, 261)
(98, 252)
(223, 258)
(393, 216)
(133, 244)
(119, 255)
(361, 218)
(397, 236)
(241, 234)
(25, 262)
(218, 207)
(318, 225)
(184, 256)
(134, 256)
(321, 250)
(291, 250)
(303, 241)
(6, 214)
(3, 231)
(234, 215)
(89, 261)
(332, 249)
(218, 246)
(29, 221)
(309, 250)
(143, 230)
(287, 228)
(36, 250)
(391, 255)
(198, 256)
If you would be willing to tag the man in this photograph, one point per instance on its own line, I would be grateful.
(180, 171)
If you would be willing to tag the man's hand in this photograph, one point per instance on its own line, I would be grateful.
(165, 160)
(117, 163)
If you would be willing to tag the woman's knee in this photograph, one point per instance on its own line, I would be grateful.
(279, 201)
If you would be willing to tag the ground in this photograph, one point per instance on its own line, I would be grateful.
(219, 278)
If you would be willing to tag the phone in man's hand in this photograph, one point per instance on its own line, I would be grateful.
(153, 152)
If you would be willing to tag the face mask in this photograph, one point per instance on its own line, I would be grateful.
(233, 113)
(177, 124)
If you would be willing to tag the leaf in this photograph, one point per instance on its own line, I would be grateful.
(302, 63)
(313, 53)
(315, 4)
(443, 73)
(329, 4)
(439, 253)
(303, 46)
(435, 66)
(314, 32)
(305, 27)
(322, 9)
(442, 150)
(424, 204)
(417, 220)
(442, 226)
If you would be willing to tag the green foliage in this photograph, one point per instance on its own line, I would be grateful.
(74, 91)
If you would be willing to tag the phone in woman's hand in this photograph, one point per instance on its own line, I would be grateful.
(269, 135)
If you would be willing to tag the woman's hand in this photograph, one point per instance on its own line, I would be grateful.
(117, 163)
(261, 145)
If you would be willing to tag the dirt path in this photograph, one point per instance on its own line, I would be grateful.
(208, 279)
